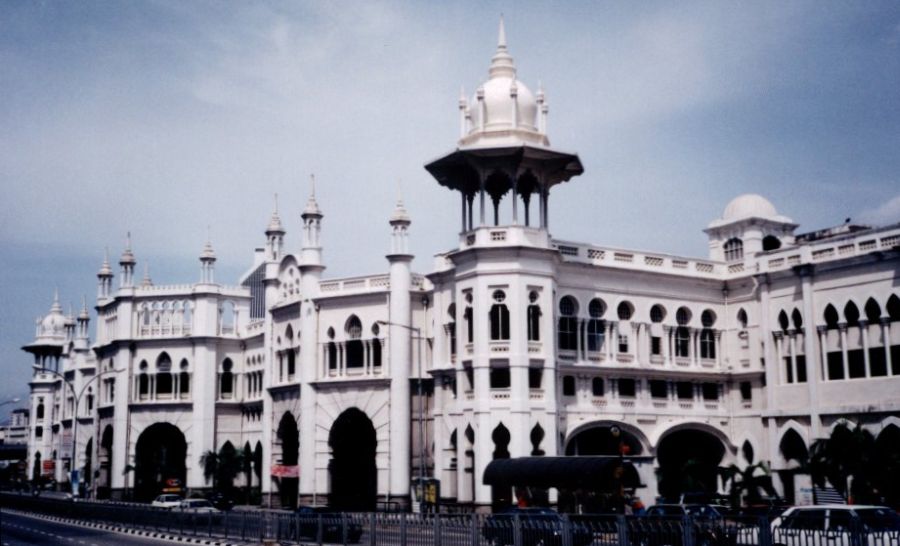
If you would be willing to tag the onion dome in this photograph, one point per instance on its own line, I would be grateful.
(127, 257)
(503, 110)
(400, 215)
(53, 323)
(105, 269)
(312, 206)
(208, 254)
(275, 227)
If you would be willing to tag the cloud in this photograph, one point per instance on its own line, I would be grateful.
(884, 214)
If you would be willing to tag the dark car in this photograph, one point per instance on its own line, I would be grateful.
(333, 525)
(221, 501)
(663, 525)
(537, 526)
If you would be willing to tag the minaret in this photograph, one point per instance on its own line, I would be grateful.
(146, 281)
(127, 262)
(310, 274)
(104, 278)
(274, 235)
(207, 264)
(84, 319)
(399, 339)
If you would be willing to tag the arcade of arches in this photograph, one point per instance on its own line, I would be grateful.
(289, 437)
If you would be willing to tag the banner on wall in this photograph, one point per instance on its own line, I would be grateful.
(285, 471)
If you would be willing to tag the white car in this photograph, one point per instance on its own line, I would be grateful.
(167, 501)
(198, 506)
(836, 525)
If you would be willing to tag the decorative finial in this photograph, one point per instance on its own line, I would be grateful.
(128, 240)
(501, 38)
(502, 64)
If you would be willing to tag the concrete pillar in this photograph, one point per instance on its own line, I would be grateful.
(400, 370)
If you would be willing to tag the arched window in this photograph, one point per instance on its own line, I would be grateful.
(184, 379)
(783, 321)
(90, 400)
(797, 319)
(470, 324)
(39, 413)
(734, 250)
(873, 311)
(851, 314)
(226, 379)
(353, 329)
(533, 318)
(657, 313)
(771, 242)
(625, 310)
(567, 332)
(143, 381)
(707, 335)
(742, 319)
(568, 385)
(499, 316)
(682, 333)
(451, 328)
(596, 327)
(164, 375)
(831, 317)
(893, 308)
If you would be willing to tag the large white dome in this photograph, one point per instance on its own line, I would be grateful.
(498, 105)
(749, 205)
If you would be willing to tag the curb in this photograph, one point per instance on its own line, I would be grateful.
(128, 531)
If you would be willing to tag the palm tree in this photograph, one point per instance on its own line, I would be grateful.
(230, 464)
(747, 482)
(247, 467)
(846, 460)
(210, 462)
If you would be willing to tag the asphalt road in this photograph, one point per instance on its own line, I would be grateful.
(17, 530)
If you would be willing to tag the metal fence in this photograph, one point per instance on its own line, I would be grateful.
(400, 529)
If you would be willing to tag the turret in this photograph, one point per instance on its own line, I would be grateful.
(146, 282)
(127, 262)
(104, 278)
(84, 319)
(311, 249)
(274, 235)
(207, 264)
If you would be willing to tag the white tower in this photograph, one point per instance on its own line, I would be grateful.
(208, 264)
(274, 235)
(104, 278)
(400, 351)
(310, 274)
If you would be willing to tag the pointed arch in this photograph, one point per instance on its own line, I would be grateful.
(893, 308)
(796, 319)
(831, 317)
(873, 311)
(851, 314)
(783, 321)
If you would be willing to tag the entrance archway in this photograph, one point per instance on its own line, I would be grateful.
(160, 461)
(605, 439)
(689, 462)
(608, 439)
(105, 463)
(795, 454)
(501, 496)
(352, 468)
(289, 436)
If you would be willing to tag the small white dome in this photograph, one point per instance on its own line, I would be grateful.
(53, 324)
(498, 105)
(749, 205)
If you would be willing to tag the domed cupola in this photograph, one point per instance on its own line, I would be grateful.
(749, 224)
(53, 325)
(503, 111)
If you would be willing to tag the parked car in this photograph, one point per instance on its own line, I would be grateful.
(167, 501)
(332, 525)
(663, 525)
(221, 501)
(836, 525)
(198, 506)
(538, 526)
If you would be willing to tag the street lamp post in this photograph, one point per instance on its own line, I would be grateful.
(421, 412)
(77, 398)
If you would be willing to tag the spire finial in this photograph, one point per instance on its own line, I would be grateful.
(502, 64)
(55, 295)
(501, 36)
(312, 185)
(128, 240)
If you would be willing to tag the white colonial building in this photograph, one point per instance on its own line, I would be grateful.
(514, 345)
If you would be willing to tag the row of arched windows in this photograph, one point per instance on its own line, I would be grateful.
(163, 382)
(355, 353)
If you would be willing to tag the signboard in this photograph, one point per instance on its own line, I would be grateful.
(172, 485)
(285, 471)
(425, 494)
(48, 467)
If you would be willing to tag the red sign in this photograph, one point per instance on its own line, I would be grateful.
(48, 467)
(285, 471)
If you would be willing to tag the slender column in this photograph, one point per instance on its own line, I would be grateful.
(607, 349)
(481, 203)
(515, 204)
(667, 345)
(463, 195)
(718, 348)
(526, 201)
(546, 208)
(843, 329)
(864, 328)
(793, 348)
(886, 336)
(541, 206)
(779, 360)
(695, 345)
(823, 351)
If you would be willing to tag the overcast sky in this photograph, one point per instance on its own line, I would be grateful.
(164, 118)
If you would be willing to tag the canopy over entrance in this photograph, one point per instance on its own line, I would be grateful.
(564, 472)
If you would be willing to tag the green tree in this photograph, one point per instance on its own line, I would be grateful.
(745, 484)
(210, 462)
